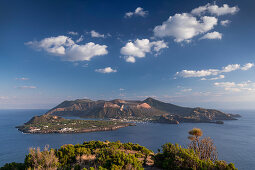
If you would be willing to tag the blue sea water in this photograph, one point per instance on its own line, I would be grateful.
(235, 140)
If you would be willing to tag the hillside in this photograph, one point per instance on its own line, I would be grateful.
(56, 124)
(98, 155)
(149, 109)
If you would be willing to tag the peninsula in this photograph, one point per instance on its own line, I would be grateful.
(56, 124)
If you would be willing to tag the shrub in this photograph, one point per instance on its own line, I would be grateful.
(200, 155)
(177, 158)
(37, 159)
(114, 159)
(13, 166)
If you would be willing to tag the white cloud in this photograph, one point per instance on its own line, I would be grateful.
(200, 73)
(185, 26)
(247, 66)
(215, 10)
(213, 72)
(22, 78)
(199, 10)
(80, 39)
(186, 90)
(212, 35)
(72, 33)
(158, 45)
(95, 34)
(66, 48)
(231, 67)
(130, 59)
(236, 87)
(85, 52)
(27, 87)
(138, 12)
(225, 23)
(214, 78)
(54, 45)
(139, 48)
(106, 70)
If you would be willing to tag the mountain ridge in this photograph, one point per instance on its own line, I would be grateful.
(149, 108)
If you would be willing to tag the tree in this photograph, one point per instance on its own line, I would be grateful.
(204, 148)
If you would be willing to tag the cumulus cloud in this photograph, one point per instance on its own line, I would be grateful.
(130, 59)
(247, 66)
(215, 10)
(138, 12)
(185, 26)
(85, 52)
(212, 35)
(68, 50)
(231, 67)
(53, 45)
(140, 47)
(22, 78)
(106, 70)
(236, 87)
(225, 23)
(95, 34)
(213, 72)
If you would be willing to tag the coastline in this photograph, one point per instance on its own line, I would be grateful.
(76, 131)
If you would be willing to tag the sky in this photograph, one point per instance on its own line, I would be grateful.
(190, 52)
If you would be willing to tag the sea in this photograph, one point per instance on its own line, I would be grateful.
(235, 140)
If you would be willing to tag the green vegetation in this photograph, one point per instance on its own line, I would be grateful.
(201, 154)
(116, 155)
(178, 158)
(56, 124)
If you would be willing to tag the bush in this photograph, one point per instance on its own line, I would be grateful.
(175, 157)
(13, 166)
(116, 155)
(114, 159)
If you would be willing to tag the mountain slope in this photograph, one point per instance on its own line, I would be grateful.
(148, 108)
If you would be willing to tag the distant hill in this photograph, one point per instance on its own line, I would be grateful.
(131, 109)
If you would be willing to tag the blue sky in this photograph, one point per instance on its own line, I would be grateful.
(189, 52)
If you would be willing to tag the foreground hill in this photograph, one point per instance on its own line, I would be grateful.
(97, 155)
(148, 109)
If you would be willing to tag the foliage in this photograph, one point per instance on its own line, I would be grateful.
(13, 166)
(201, 154)
(115, 155)
(175, 157)
(114, 159)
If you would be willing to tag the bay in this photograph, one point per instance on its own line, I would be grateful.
(234, 139)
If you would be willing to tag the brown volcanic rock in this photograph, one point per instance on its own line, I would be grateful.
(149, 108)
